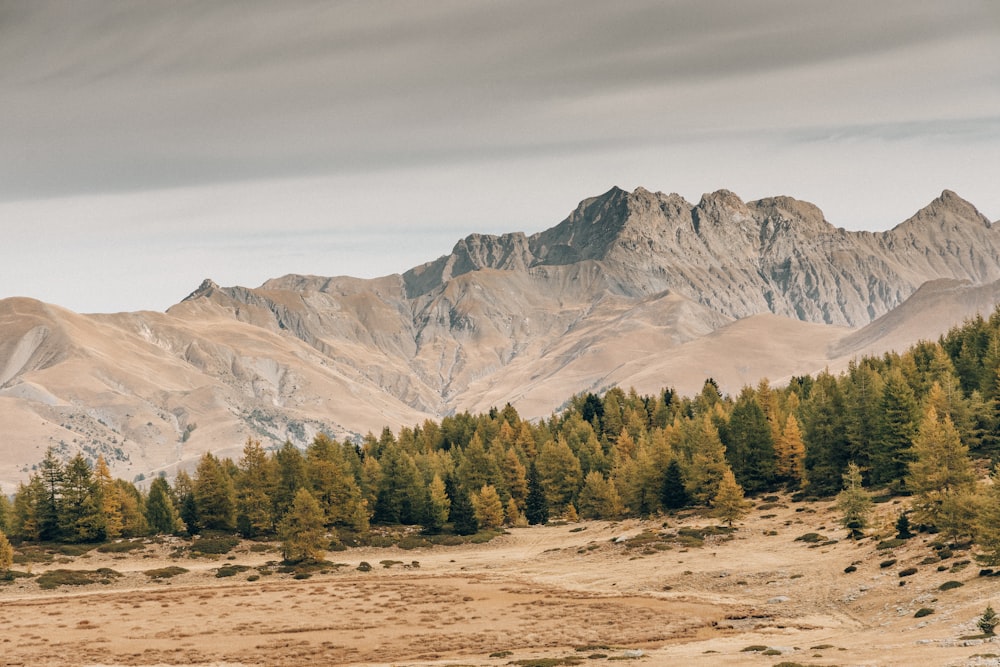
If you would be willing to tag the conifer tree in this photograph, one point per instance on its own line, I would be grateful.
(989, 621)
(750, 444)
(854, 503)
(438, 506)
(536, 506)
(515, 477)
(133, 509)
(462, 514)
(729, 504)
(187, 508)
(708, 461)
(333, 486)
(827, 451)
(892, 448)
(25, 518)
(474, 467)
(110, 498)
(514, 515)
(598, 498)
(674, 495)
(488, 508)
(50, 472)
(401, 491)
(6, 554)
(80, 517)
(290, 476)
(790, 454)
(302, 531)
(5, 514)
(160, 510)
(214, 495)
(255, 484)
(863, 417)
(988, 523)
(941, 477)
(559, 472)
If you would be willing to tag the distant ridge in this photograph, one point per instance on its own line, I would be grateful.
(633, 288)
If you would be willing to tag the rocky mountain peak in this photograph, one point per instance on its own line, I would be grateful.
(205, 289)
(948, 209)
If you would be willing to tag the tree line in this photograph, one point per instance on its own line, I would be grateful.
(916, 423)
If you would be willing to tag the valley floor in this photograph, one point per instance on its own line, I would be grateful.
(585, 592)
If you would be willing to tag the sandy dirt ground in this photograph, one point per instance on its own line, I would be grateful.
(588, 591)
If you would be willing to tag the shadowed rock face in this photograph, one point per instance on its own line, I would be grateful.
(775, 255)
(637, 288)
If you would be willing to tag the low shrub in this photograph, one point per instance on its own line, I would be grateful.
(414, 542)
(214, 546)
(850, 568)
(364, 566)
(948, 585)
(165, 572)
(923, 611)
(908, 572)
(810, 538)
(56, 578)
(887, 563)
(230, 570)
(890, 544)
(123, 546)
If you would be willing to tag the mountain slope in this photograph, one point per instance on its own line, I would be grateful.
(638, 288)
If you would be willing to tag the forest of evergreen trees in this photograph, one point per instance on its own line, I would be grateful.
(924, 423)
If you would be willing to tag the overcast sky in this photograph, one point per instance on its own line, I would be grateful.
(147, 145)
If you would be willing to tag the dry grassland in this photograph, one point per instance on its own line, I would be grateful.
(587, 593)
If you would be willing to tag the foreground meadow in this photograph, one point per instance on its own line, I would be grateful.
(670, 591)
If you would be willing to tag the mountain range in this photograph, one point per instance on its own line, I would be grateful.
(638, 289)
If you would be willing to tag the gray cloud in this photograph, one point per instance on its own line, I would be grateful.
(147, 145)
(104, 96)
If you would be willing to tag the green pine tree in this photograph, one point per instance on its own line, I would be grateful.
(461, 514)
(254, 490)
(214, 495)
(80, 518)
(160, 510)
(673, 495)
(854, 503)
(536, 509)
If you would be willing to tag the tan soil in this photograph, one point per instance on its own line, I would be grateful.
(537, 592)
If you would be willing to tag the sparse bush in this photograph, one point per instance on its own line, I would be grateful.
(214, 546)
(948, 585)
(923, 611)
(364, 566)
(850, 568)
(890, 544)
(56, 578)
(988, 621)
(908, 572)
(810, 538)
(121, 547)
(887, 563)
(230, 570)
(165, 572)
